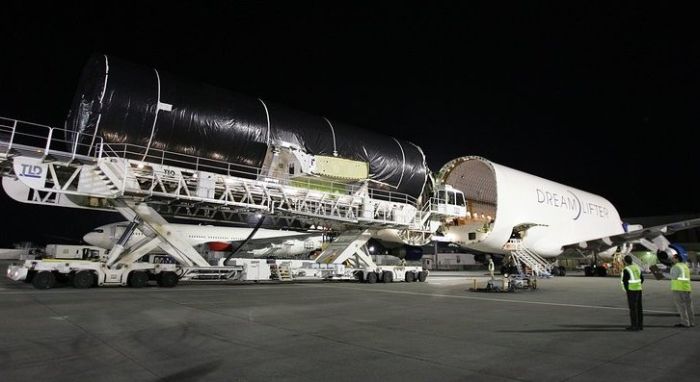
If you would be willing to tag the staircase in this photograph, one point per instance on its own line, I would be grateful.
(281, 272)
(524, 256)
(347, 247)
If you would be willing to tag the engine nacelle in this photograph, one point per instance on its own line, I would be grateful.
(665, 256)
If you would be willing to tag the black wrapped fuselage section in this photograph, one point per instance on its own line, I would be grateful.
(121, 103)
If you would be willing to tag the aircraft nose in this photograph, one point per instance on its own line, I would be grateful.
(92, 238)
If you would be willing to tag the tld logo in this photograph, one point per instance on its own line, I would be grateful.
(31, 171)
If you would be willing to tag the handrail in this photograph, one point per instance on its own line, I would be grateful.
(12, 137)
(99, 149)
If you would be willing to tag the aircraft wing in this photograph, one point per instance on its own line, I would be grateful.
(649, 233)
(262, 246)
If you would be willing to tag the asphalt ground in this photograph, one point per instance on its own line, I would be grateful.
(568, 329)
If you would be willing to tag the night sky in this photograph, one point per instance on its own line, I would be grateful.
(602, 98)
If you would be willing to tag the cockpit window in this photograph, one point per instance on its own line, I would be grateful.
(99, 230)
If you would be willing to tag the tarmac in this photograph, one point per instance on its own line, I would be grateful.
(568, 329)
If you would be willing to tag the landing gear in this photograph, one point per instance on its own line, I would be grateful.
(558, 271)
(601, 271)
(509, 270)
(595, 271)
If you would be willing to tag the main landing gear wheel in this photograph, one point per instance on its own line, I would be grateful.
(83, 279)
(167, 279)
(138, 279)
(44, 280)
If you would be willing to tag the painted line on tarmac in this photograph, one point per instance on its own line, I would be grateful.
(493, 299)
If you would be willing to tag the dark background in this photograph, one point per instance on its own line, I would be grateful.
(599, 97)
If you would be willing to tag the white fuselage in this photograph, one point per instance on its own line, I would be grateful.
(267, 242)
(556, 215)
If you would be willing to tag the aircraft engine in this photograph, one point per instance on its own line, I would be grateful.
(664, 256)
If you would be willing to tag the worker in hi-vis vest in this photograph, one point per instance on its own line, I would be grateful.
(680, 287)
(491, 267)
(632, 279)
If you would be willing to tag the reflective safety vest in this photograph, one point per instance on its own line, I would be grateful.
(635, 281)
(491, 267)
(682, 283)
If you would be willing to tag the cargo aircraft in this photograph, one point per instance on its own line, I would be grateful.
(509, 209)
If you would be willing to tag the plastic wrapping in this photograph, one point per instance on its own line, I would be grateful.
(122, 102)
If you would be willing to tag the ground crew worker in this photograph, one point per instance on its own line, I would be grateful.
(491, 267)
(632, 279)
(680, 287)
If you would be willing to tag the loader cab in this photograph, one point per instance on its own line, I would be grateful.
(449, 201)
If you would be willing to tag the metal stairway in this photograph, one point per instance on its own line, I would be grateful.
(524, 256)
(348, 247)
(281, 272)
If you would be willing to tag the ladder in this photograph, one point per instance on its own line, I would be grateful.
(348, 247)
(284, 273)
(522, 255)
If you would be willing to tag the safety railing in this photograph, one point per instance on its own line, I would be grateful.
(195, 163)
(61, 144)
(18, 136)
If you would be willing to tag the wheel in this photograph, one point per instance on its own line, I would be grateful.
(601, 271)
(44, 280)
(372, 277)
(167, 279)
(562, 271)
(137, 279)
(410, 277)
(83, 279)
(588, 271)
(555, 271)
(422, 275)
(360, 276)
(388, 276)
